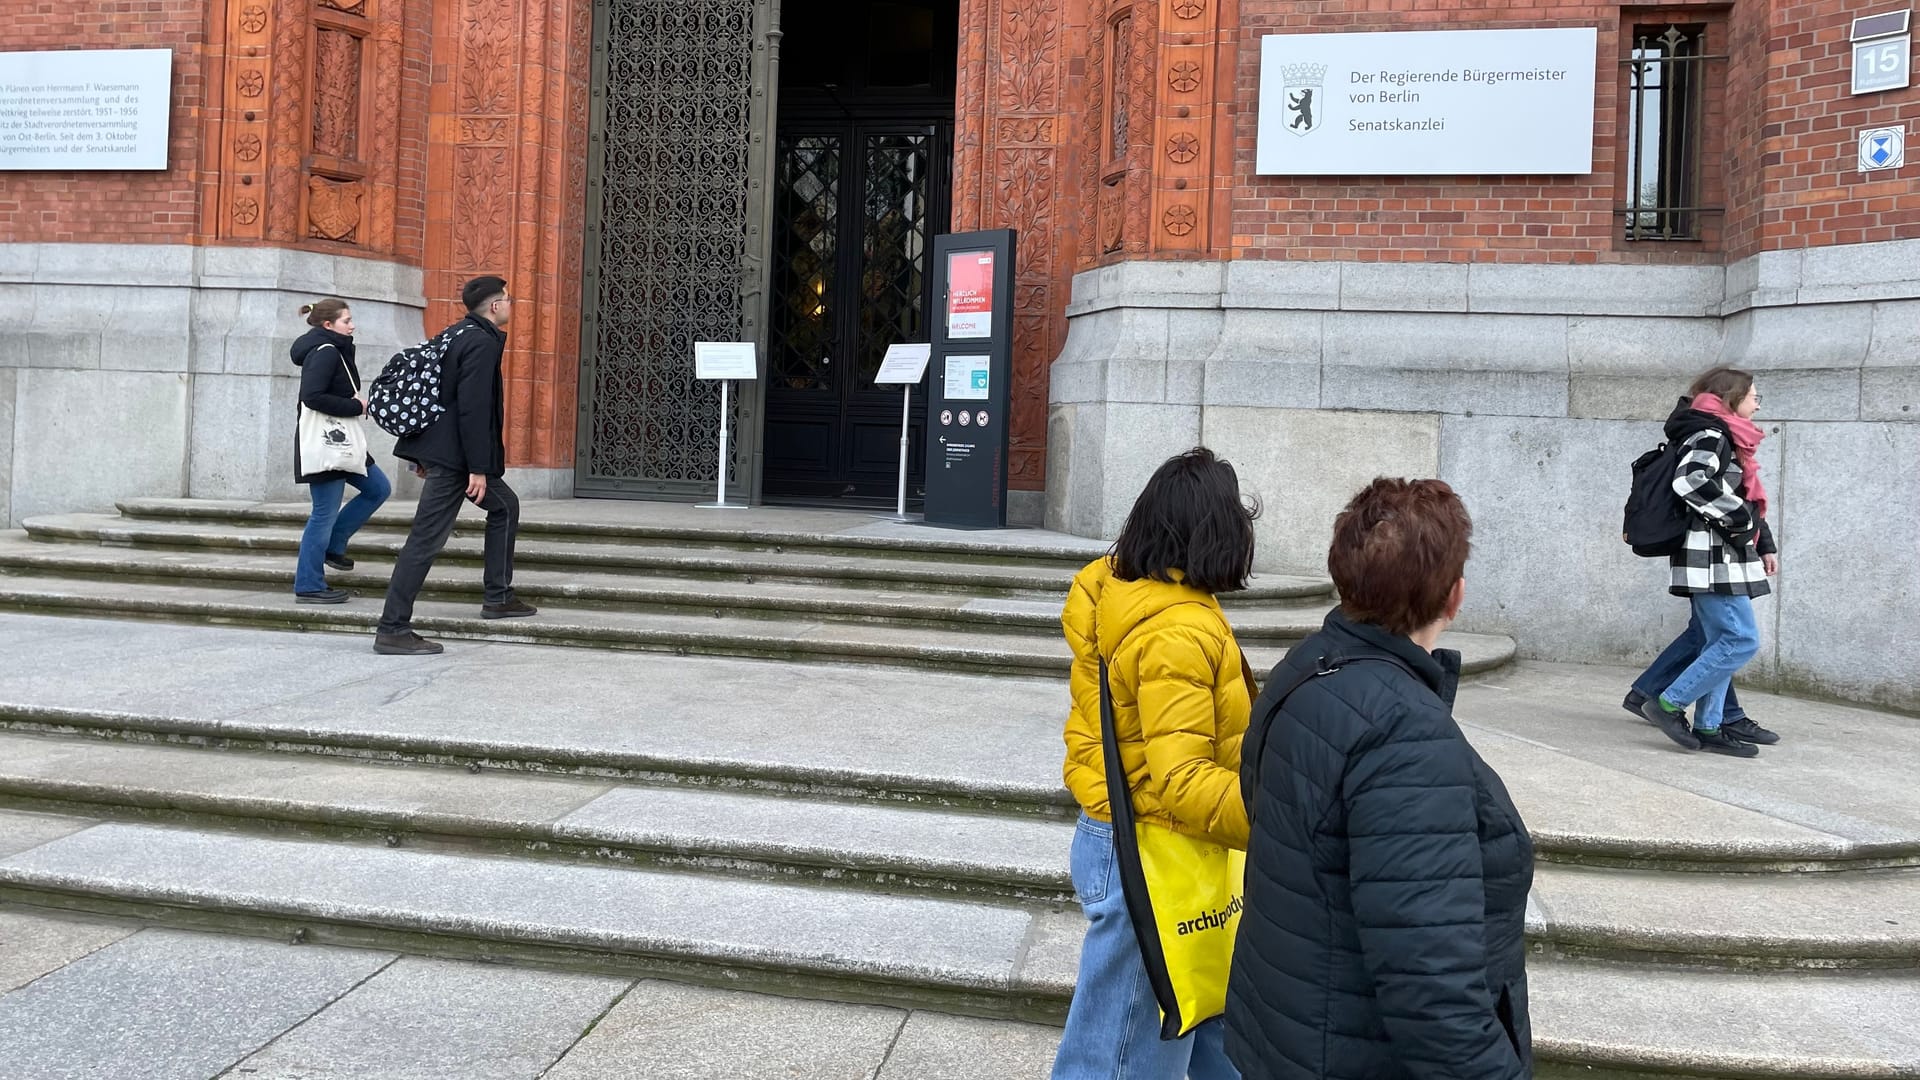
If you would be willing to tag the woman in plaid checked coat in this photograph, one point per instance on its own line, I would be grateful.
(1726, 561)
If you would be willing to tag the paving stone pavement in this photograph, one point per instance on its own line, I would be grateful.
(91, 998)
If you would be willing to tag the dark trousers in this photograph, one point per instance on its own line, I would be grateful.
(432, 523)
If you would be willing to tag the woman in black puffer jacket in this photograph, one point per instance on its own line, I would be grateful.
(1388, 871)
(330, 383)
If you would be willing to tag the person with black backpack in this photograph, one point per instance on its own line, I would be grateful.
(1721, 562)
(459, 447)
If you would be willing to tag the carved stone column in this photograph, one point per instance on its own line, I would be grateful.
(1191, 144)
(507, 169)
(1020, 74)
(313, 123)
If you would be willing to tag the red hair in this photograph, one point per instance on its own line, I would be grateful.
(1398, 548)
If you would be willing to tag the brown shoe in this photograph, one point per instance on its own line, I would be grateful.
(512, 609)
(407, 644)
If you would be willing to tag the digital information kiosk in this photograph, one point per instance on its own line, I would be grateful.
(968, 434)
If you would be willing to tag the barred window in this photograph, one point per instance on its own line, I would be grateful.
(1666, 80)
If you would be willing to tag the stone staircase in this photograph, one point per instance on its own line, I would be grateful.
(887, 826)
(881, 592)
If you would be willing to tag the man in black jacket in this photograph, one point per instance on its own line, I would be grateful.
(462, 455)
(1387, 870)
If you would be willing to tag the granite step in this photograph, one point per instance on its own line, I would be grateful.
(1595, 786)
(1005, 959)
(1826, 920)
(776, 530)
(896, 568)
(1015, 961)
(986, 649)
(1036, 612)
(882, 842)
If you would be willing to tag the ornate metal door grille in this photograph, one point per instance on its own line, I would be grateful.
(676, 213)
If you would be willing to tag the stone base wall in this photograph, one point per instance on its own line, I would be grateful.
(1530, 389)
(141, 369)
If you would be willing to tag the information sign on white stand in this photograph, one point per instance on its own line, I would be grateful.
(904, 365)
(725, 361)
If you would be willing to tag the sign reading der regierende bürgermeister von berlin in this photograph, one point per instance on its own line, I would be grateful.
(85, 109)
(1427, 102)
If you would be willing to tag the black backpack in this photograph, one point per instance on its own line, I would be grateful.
(1656, 520)
(405, 399)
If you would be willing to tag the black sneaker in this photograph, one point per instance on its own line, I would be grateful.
(1635, 699)
(339, 562)
(1671, 721)
(512, 609)
(324, 596)
(407, 644)
(1746, 730)
(1722, 741)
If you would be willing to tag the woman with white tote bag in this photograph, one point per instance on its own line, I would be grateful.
(330, 449)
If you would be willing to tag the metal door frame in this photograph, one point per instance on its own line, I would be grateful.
(755, 270)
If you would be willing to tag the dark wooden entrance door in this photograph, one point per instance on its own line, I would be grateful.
(862, 183)
(856, 205)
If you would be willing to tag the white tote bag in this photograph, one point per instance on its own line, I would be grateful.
(332, 443)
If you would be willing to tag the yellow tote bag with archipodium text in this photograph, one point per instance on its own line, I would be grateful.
(1184, 896)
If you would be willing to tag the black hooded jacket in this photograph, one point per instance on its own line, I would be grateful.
(1387, 878)
(328, 376)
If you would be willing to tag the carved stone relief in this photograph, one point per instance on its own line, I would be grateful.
(336, 94)
(1029, 46)
(1113, 215)
(1119, 109)
(1184, 77)
(1026, 131)
(482, 205)
(333, 209)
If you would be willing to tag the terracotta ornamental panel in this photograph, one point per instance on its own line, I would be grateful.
(1020, 73)
(507, 172)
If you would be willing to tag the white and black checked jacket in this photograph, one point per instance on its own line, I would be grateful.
(1726, 539)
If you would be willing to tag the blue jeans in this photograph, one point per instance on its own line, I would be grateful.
(330, 525)
(1113, 1027)
(1669, 664)
(1732, 639)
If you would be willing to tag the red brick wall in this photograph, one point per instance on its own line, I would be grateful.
(1816, 194)
(112, 206)
(1780, 159)
(1467, 218)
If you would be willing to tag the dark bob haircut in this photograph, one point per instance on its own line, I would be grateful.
(1190, 518)
(1397, 550)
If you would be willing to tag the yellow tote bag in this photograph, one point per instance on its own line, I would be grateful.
(1184, 896)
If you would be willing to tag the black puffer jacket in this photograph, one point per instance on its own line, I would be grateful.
(1387, 879)
(326, 385)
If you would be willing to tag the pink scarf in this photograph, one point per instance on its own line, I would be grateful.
(1746, 439)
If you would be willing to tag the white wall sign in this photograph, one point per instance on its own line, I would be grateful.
(903, 364)
(1883, 148)
(85, 109)
(725, 360)
(1886, 64)
(1427, 102)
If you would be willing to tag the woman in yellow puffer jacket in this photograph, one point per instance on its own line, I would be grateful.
(1181, 695)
